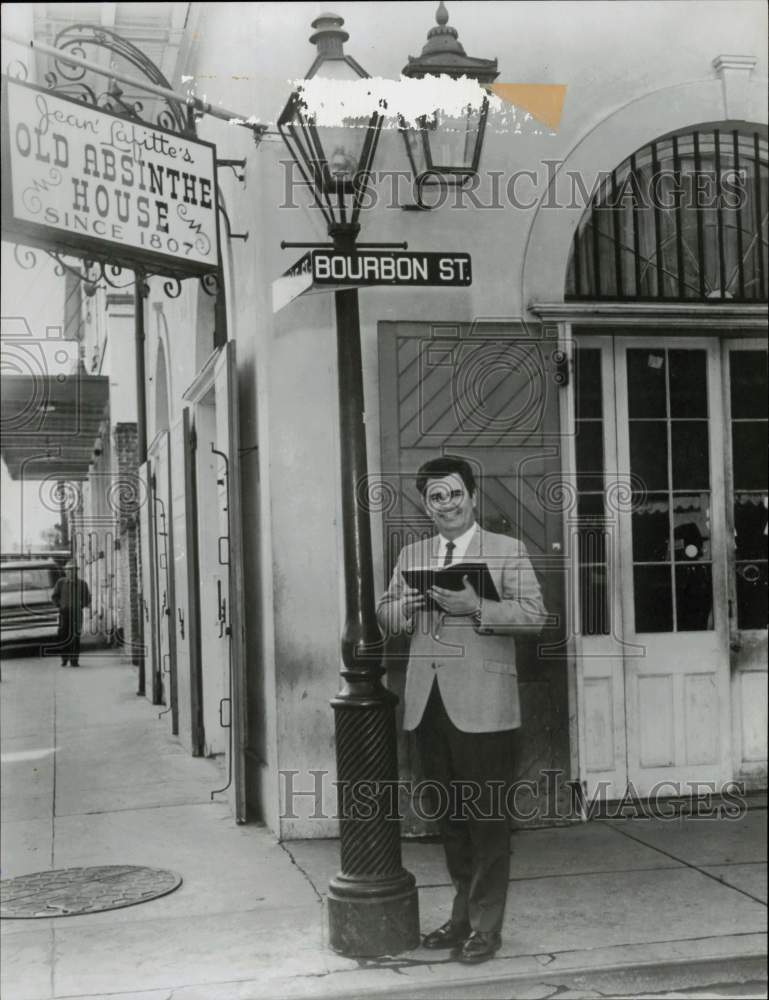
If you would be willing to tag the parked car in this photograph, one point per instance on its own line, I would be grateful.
(27, 614)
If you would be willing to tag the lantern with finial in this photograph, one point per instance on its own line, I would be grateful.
(335, 159)
(446, 148)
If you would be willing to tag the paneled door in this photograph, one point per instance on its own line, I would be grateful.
(219, 543)
(673, 571)
(651, 574)
(160, 497)
(148, 604)
(487, 392)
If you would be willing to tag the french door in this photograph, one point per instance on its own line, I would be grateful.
(652, 565)
(744, 365)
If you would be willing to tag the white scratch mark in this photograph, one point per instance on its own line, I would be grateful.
(13, 758)
(332, 102)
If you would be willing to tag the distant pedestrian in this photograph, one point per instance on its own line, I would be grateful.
(70, 594)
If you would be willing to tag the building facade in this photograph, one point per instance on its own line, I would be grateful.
(605, 373)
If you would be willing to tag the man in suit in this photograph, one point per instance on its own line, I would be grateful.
(462, 695)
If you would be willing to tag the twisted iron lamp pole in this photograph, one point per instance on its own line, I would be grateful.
(373, 906)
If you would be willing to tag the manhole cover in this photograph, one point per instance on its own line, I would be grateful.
(66, 892)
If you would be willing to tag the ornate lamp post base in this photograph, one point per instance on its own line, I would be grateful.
(373, 907)
(367, 921)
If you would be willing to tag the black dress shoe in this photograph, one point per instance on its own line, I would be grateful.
(450, 935)
(479, 947)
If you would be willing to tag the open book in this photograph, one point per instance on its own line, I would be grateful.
(451, 578)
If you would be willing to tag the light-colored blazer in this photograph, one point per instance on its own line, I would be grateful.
(474, 664)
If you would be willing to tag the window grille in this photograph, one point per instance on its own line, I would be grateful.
(682, 219)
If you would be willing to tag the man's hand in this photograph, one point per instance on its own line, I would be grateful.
(456, 602)
(411, 602)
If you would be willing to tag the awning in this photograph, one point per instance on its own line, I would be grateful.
(49, 423)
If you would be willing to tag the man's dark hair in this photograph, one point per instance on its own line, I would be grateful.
(446, 465)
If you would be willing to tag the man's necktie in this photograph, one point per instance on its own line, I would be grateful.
(449, 550)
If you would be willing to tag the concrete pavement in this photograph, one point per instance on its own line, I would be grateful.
(91, 777)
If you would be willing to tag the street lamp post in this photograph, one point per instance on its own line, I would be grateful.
(372, 902)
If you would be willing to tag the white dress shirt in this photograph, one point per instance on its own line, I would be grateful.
(460, 545)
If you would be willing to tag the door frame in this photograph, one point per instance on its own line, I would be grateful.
(187, 615)
(148, 578)
(575, 321)
(605, 649)
(719, 646)
(159, 453)
(753, 776)
(221, 365)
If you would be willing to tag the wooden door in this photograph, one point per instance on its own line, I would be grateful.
(595, 613)
(488, 393)
(148, 585)
(213, 395)
(231, 555)
(164, 576)
(186, 610)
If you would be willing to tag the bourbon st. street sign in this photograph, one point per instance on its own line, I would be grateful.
(324, 270)
(88, 183)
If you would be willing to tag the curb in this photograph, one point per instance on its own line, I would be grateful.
(629, 980)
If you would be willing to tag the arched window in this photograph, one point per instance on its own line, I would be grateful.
(684, 218)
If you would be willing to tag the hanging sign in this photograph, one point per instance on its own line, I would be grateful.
(85, 182)
(326, 270)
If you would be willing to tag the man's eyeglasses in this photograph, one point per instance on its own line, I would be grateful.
(440, 498)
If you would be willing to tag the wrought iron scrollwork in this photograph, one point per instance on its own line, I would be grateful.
(211, 284)
(172, 287)
(24, 256)
(70, 81)
(93, 273)
(17, 70)
(112, 100)
(79, 90)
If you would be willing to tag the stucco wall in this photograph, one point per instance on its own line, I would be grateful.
(632, 72)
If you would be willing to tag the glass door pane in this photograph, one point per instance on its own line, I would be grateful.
(669, 446)
(591, 512)
(748, 394)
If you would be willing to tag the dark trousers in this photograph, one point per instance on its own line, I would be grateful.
(69, 635)
(473, 771)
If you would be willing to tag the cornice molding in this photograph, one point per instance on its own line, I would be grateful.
(675, 315)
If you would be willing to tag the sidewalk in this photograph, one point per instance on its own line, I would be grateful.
(90, 777)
